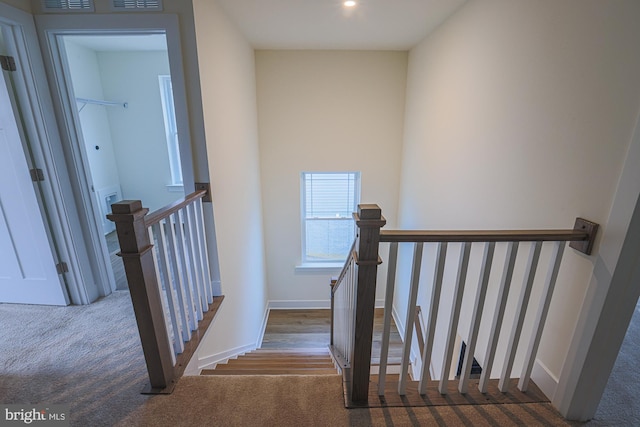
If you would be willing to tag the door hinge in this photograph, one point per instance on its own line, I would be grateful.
(36, 174)
(8, 63)
(62, 268)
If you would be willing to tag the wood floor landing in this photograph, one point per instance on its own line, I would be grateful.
(391, 398)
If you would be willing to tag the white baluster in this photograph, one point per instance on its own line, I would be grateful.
(204, 252)
(194, 257)
(455, 316)
(476, 317)
(388, 307)
(496, 324)
(541, 315)
(168, 324)
(438, 274)
(179, 275)
(167, 264)
(530, 273)
(411, 315)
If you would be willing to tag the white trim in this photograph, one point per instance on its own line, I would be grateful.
(307, 304)
(298, 304)
(175, 188)
(81, 182)
(544, 379)
(313, 268)
(40, 122)
(224, 356)
(50, 27)
(609, 302)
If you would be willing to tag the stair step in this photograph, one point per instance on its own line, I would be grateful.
(293, 361)
(274, 364)
(282, 357)
(308, 371)
(293, 351)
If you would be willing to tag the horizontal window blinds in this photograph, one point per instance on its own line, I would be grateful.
(330, 195)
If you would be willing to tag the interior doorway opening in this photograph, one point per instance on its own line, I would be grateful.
(126, 127)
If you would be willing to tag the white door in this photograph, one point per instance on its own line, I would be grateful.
(27, 269)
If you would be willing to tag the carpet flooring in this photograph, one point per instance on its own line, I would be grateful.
(90, 358)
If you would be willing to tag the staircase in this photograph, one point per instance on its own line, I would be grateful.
(262, 361)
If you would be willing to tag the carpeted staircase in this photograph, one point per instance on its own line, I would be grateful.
(299, 361)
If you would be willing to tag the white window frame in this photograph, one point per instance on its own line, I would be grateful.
(329, 263)
(171, 132)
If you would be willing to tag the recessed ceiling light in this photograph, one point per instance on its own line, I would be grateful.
(349, 3)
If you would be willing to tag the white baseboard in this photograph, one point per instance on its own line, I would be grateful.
(225, 355)
(307, 304)
(544, 379)
(298, 304)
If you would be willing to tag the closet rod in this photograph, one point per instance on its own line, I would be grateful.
(86, 101)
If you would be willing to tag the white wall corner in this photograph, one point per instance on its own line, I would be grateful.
(263, 327)
(544, 379)
(222, 356)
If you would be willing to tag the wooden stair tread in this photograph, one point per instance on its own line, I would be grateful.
(309, 371)
(274, 364)
(312, 361)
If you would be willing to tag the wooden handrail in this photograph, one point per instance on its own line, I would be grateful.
(482, 236)
(369, 221)
(582, 236)
(162, 213)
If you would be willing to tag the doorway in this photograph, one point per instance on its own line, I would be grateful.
(126, 127)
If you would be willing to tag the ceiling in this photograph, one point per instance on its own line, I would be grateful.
(327, 24)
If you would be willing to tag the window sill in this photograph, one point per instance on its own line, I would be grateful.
(319, 267)
(175, 188)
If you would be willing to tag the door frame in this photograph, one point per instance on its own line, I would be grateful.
(50, 28)
(55, 198)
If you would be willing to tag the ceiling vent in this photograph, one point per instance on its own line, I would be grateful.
(136, 5)
(62, 6)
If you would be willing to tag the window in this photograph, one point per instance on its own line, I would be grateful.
(328, 200)
(171, 130)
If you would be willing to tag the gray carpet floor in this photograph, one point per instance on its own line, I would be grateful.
(89, 357)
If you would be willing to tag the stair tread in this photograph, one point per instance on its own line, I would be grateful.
(276, 364)
(309, 371)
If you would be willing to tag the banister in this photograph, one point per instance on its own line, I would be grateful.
(364, 255)
(162, 213)
(435, 236)
(165, 259)
(584, 231)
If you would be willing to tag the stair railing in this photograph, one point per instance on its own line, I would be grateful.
(166, 263)
(357, 361)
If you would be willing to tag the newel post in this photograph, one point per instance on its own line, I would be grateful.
(135, 250)
(369, 220)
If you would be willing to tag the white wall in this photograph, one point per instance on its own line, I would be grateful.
(324, 111)
(227, 65)
(138, 132)
(519, 115)
(96, 132)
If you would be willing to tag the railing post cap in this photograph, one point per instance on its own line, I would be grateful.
(369, 211)
(126, 206)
